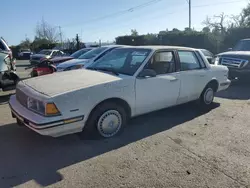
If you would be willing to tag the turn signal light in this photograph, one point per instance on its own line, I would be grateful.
(51, 109)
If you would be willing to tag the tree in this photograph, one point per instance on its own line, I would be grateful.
(25, 43)
(217, 23)
(206, 30)
(134, 32)
(45, 31)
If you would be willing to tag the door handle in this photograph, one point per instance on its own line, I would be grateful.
(173, 79)
(202, 75)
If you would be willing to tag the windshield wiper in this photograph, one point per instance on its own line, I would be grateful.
(104, 69)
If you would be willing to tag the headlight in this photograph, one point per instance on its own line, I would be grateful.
(74, 67)
(40, 107)
(216, 61)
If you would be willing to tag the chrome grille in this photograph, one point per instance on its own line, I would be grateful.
(233, 62)
(21, 97)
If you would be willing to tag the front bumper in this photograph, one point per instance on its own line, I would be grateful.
(48, 126)
(224, 85)
(239, 73)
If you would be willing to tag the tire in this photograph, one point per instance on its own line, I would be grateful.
(107, 120)
(19, 123)
(207, 96)
(33, 74)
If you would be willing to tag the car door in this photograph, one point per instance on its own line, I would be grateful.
(192, 74)
(161, 91)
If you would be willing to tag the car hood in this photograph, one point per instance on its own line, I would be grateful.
(63, 82)
(237, 54)
(72, 62)
(61, 58)
(39, 55)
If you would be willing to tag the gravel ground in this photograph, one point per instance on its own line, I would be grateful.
(175, 147)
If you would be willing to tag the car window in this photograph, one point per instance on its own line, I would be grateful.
(45, 52)
(206, 52)
(93, 53)
(78, 53)
(55, 53)
(188, 61)
(162, 62)
(2, 47)
(122, 60)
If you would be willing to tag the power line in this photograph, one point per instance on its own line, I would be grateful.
(118, 13)
(169, 13)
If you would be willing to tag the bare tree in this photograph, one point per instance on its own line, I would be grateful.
(45, 31)
(218, 22)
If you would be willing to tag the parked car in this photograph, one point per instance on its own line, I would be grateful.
(76, 55)
(237, 60)
(8, 77)
(127, 82)
(24, 54)
(86, 58)
(209, 55)
(46, 66)
(4, 47)
(45, 54)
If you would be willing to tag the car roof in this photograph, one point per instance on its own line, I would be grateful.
(159, 47)
(115, 45)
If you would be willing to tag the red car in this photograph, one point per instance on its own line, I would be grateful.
(48, 66)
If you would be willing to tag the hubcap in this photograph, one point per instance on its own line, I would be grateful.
(109, 123)
(209, 96)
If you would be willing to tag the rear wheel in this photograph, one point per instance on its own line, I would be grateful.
(107, 120)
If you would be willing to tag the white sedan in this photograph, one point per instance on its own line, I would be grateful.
(127, 82)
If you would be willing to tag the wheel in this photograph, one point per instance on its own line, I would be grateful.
(33, 74)
(207, 96)
(19, 122)
(107, 120)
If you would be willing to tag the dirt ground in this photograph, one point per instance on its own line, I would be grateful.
(175, 147)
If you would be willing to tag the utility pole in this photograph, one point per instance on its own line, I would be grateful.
(189, 4)
(60, 32)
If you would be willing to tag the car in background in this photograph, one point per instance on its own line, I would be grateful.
(4, 47)
(45, 54)
(237, 59)
(86, 58)
(24, 54)
(130, 81)
(75, 55)
(209, 55)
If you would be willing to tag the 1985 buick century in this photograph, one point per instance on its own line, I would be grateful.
(127, 82)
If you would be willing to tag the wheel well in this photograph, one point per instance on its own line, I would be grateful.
(214, 84)
(118, 101)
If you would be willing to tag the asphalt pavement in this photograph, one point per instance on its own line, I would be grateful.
(177, 147)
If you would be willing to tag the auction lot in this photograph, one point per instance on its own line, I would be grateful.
(176, 147)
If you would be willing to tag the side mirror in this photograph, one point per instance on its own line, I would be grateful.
(147, 73)
(229, 49)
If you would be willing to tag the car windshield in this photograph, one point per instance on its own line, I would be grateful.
(45, 52)
(78, 53)
(121, 61)
(243, 45)
(92, 53)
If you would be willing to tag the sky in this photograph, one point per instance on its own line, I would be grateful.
(104, 20)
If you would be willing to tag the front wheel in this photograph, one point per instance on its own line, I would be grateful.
(207, 96)
(106, 121)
